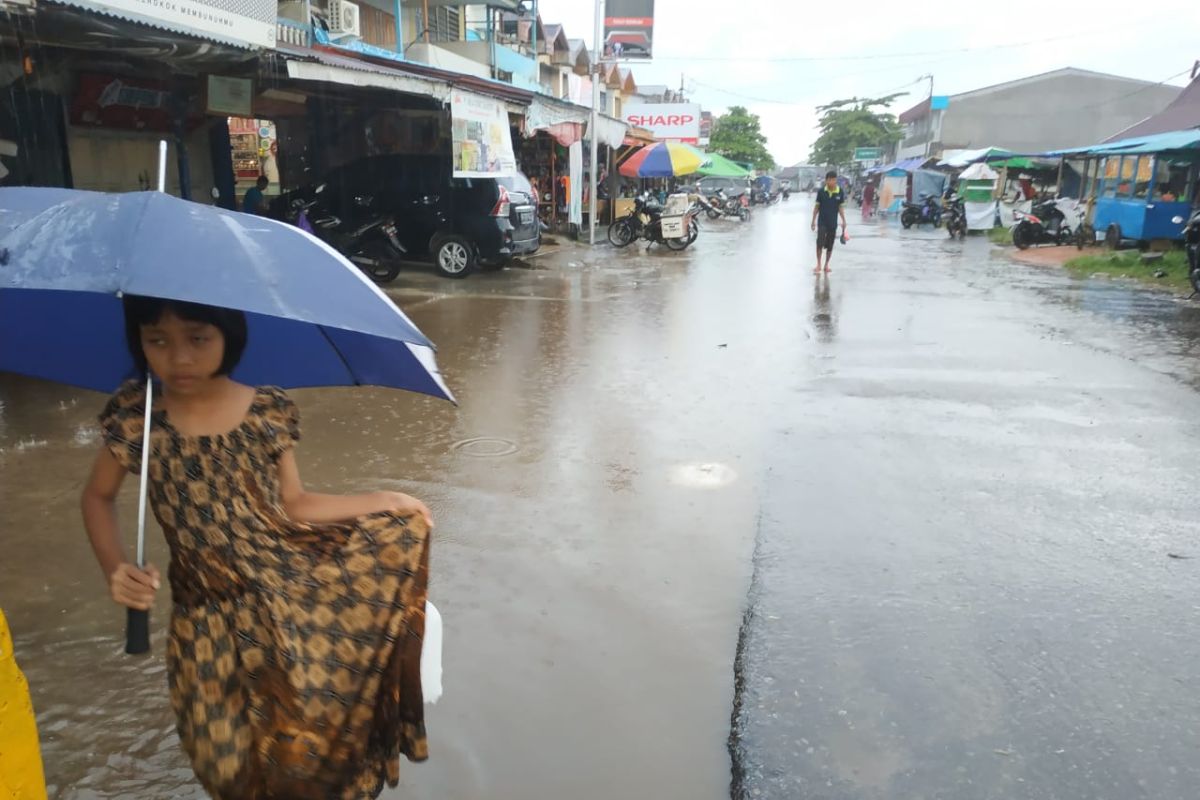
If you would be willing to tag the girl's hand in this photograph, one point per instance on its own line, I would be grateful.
(133, 587)
(400, 503)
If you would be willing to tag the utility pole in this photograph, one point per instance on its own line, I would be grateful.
(929, 139)
(595, 119)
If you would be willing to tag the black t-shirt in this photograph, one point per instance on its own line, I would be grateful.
(829, 202)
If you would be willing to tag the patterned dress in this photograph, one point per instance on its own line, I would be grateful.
(294, 649)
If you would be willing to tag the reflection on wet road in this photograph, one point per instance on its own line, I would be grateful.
(918, 513)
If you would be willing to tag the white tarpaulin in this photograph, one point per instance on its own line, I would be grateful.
(609, 131)
(575, 203)
(965, 157)
(481, 138)
(544, 114)
(980, 216)
(892, 190)
(979, 172)
(1008, 210)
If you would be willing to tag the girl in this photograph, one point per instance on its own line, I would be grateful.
(297, 620)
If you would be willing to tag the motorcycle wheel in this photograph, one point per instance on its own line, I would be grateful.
(962, 231)
(937, 222)
(713, 213)
(1112, 237)
(1065, 236)
(677, 244)
(693, 230)
(1021, 237)
(377, 262)
(906, 220)
(620, 233)
(744, 214)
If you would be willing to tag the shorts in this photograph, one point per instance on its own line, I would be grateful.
(826, 237)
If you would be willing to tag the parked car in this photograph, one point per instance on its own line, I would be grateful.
(733, 187)
(458, 223)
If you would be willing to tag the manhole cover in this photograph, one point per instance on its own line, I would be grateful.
(485, 447)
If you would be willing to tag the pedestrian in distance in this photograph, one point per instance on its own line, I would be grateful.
(255, 202)
(297, 622)
(827, 210)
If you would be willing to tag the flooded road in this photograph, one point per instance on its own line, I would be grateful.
(910, 523)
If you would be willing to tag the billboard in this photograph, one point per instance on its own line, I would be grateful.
(244, 23)
(628, 29)
(482, 140)
(673, 122)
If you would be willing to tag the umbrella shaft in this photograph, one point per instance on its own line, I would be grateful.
(144, 484)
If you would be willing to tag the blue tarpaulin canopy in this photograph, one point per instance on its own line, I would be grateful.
(907, 165)
(1156, 143)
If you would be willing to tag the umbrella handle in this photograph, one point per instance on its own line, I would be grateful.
(137, 631)
(137, 622)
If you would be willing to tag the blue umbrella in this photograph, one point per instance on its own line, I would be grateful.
(67, 258)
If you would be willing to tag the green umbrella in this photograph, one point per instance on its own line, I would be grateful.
(718, 166)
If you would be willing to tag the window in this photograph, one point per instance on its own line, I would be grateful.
(1108, 186)
(1125, 182)
(443, 24)
(1170, 180)
(1144, 172)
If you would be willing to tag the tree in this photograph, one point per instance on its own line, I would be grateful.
(847, 124)
(737, 135)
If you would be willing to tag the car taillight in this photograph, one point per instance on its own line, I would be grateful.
(503, 206)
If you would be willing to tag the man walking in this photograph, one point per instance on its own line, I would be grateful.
(827, 209)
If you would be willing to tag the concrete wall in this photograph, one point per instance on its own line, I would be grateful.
(444, 57)
(1055, 112)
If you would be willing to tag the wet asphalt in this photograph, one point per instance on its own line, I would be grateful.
(708, 523)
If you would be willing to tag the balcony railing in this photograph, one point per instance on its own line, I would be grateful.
(295, 34)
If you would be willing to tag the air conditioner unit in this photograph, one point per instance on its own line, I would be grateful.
(344, 19)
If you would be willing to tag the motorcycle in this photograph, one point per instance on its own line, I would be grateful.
(956, 217)
(646, 222)
(1191, 244)
(738, 206)
(926, 212)
(1044, 224)
(372, 245)
(706, 206)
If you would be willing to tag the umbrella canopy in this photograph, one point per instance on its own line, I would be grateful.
(663, 160)
(314, 319)
(718, 166)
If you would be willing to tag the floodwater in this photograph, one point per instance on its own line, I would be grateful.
(704, 518)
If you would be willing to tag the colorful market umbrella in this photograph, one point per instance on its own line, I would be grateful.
(718, 166)
(663, 160)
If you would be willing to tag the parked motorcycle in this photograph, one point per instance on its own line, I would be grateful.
(646, 222)
(372, 244)
(927, 212)
(704, 205)
(1044, 224)
(956, 217)
(738, 206)
(1191, 244)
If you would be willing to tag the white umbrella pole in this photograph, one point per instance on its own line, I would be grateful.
(137, 628)
(137, 622)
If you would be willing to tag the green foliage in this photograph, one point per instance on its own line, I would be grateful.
(1130, 264)
(847, 124)
(738, 136)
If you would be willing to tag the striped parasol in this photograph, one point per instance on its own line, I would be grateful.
(662, 160)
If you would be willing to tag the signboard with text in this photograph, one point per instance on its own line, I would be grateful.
(675, 122)
(868, 153)
(482, 140)
(628, 29)
(245, 23)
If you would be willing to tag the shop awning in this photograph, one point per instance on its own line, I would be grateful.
(1157, 143)
(967, 157)
(330, 68)
(609, 131)
(907, 165)
(563, 121)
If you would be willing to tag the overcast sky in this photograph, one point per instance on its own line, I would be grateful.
(790, 56)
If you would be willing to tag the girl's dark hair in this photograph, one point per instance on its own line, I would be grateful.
(141, 311)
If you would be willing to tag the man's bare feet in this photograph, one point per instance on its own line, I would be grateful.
(817, 270)
(828, 270)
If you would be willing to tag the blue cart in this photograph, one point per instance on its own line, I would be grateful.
(1137, 197)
